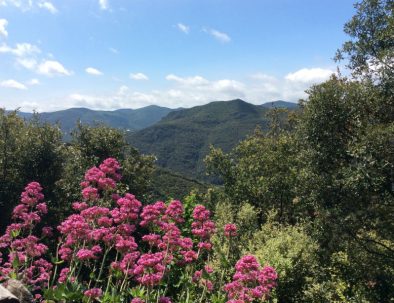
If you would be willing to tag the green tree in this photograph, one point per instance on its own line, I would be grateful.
(260, 171)
(29, 151)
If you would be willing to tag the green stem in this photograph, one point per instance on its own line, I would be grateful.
(102, 264)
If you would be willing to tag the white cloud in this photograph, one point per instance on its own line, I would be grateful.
(26, 5)
(309, 75)
(33, 82)
(13, 84)
(113, 50)
(48, 6)
(21, 49)
(3, 31)
(186, 91)
(93, 71)
(139, 76)
(103, 4)
(183, 28)
(195, 80)
(220, 36)
(28, 63)
(52, 68)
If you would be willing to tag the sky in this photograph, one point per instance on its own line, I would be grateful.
(111, 54)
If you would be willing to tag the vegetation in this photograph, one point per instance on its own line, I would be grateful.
(125, 119)
(308, 197)
(181, 140)
(163, 260)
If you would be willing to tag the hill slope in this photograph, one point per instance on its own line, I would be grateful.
(280, 104)
(129, 119)
(181, 140)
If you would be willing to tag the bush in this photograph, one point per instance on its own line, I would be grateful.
(111, 249)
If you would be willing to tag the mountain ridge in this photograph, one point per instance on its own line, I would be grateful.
(182, 139)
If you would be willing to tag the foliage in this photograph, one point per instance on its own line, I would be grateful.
(181, 140)
(259, 171)
(371, 49)
(34, 150)
(111, 249)
(125, 119)
(292, 252)
(27, 151)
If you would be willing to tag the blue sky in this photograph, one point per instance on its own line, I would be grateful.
(109, 54)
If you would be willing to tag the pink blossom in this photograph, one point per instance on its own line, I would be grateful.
(230, 230)
(174, 212)
(93, 293)
(47, 231)
(164, 300)
(151, 213)
(64, 275)
(150, 269)
(90, 193)
(250, 282)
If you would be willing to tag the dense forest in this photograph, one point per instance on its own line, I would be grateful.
(300, 210)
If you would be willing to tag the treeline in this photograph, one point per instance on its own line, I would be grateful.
(34, 150)
(322, 182)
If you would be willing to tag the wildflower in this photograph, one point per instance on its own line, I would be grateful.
(93, 293)
(174, 212)
(250, 282)
(150, 269)
(230, 230)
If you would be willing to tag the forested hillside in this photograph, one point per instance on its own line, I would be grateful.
(125, 119)
(182, 139)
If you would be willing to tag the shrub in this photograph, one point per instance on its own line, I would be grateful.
(112, 249)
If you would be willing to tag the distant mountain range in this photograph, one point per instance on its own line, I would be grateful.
(280, 104)
(181, 140)
(128, 119)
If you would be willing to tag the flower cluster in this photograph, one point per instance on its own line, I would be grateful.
(203, 278)
(112, 243)
(230, 230)
(250, 282)
(203, 227)
(25, 251)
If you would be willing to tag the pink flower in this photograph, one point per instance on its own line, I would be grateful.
(32, 194)
(111, 167)
(88, 254)
(90, 193)
(174, 212)
(152, 239)
(200, 213)
(230, 230)
(125, 244)
(250, 282)
(164, 300)
(151, 213)
(47, 231)
(79, 206)
(93, 175)
(150, 269)
(202, 226)
(93, 293)
(63, 275)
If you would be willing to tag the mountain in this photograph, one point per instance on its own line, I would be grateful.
(128, 119)
(181, 140)
(280, 104)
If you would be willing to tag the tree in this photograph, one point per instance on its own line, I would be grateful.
(371, 50)
(29, 150)
(260, 171)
